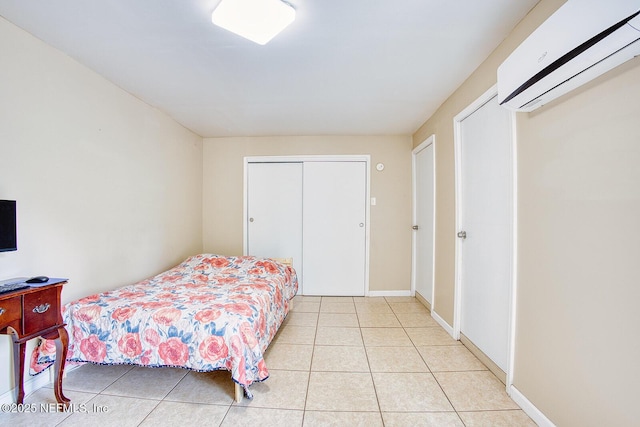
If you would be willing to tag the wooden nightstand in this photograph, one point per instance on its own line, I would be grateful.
(30, 313)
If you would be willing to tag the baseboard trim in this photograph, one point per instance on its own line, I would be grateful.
(442, 323)
(423, 300)
(389, 294)
(30, 385)
(529, 408)
(37, 382)
(497, 371)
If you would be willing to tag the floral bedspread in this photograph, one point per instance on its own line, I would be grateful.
(208, 313)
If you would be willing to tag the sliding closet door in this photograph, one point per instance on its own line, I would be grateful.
(274, 211)
(334, 231)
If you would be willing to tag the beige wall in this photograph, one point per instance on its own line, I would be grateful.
(390, 255)
(109, 190)
(579, 236)
(576, 353)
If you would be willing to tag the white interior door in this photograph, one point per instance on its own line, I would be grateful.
(485, 215)
(423, 219)
(334, 211)
(274, 211)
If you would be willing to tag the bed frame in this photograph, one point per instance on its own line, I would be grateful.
(239, 390)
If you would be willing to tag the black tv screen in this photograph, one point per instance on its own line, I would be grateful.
(8, 235)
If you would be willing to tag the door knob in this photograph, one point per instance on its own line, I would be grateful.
(361, 224)
(462, 234)
(415, 227)
(250, 219)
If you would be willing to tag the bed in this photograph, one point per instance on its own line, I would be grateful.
(209, 313)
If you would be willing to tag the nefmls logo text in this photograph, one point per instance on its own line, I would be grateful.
(82, 408)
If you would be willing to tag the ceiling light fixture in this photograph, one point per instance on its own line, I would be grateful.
(256, 20)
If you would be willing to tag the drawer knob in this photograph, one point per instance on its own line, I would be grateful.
(41, 308)
(2, 310)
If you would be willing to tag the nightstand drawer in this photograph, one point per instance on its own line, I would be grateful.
(40, 310)
(10, 311)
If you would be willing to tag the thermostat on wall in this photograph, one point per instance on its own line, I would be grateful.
(380, 166)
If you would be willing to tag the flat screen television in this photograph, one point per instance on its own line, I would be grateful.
(8, 234)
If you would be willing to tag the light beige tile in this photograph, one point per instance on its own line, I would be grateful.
(373, 308)
(204, 387)
(250, 417)
(385, 337)
(305, 307)
(395, 359)
(378, 320)
(430, 336)
(301, 319)
(339, 358)
(450, 358)
(408, 307)
(339, 336)
(515, 418)
(337, 307)
(475, 391)
(294, 357)
(41, 409)
(421, 419)
(391, 300)
(347, 320)
(180, 414)
(93, 378)
(290, 334)
(409, 392)
(306, 298)
(337, 419)
(417, 320)
(370, 300)
(147, 383)
(282, 390)
(337, 299)
(341, 391)
(117, 411)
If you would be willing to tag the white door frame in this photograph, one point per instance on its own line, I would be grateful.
(431, 140)
(313, 158)
(457, 132)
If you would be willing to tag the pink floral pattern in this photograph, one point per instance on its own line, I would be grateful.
(208, 313)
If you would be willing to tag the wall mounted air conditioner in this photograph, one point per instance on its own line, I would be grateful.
(582, 40)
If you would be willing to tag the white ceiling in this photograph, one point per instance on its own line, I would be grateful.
(344, 67)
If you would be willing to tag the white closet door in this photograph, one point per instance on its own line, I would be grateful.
(486, 218)
(274, 211)
(334, 211)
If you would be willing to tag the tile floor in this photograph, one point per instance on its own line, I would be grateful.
(336, 361)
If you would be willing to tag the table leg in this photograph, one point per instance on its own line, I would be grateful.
(18, 369)
(61, 356)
